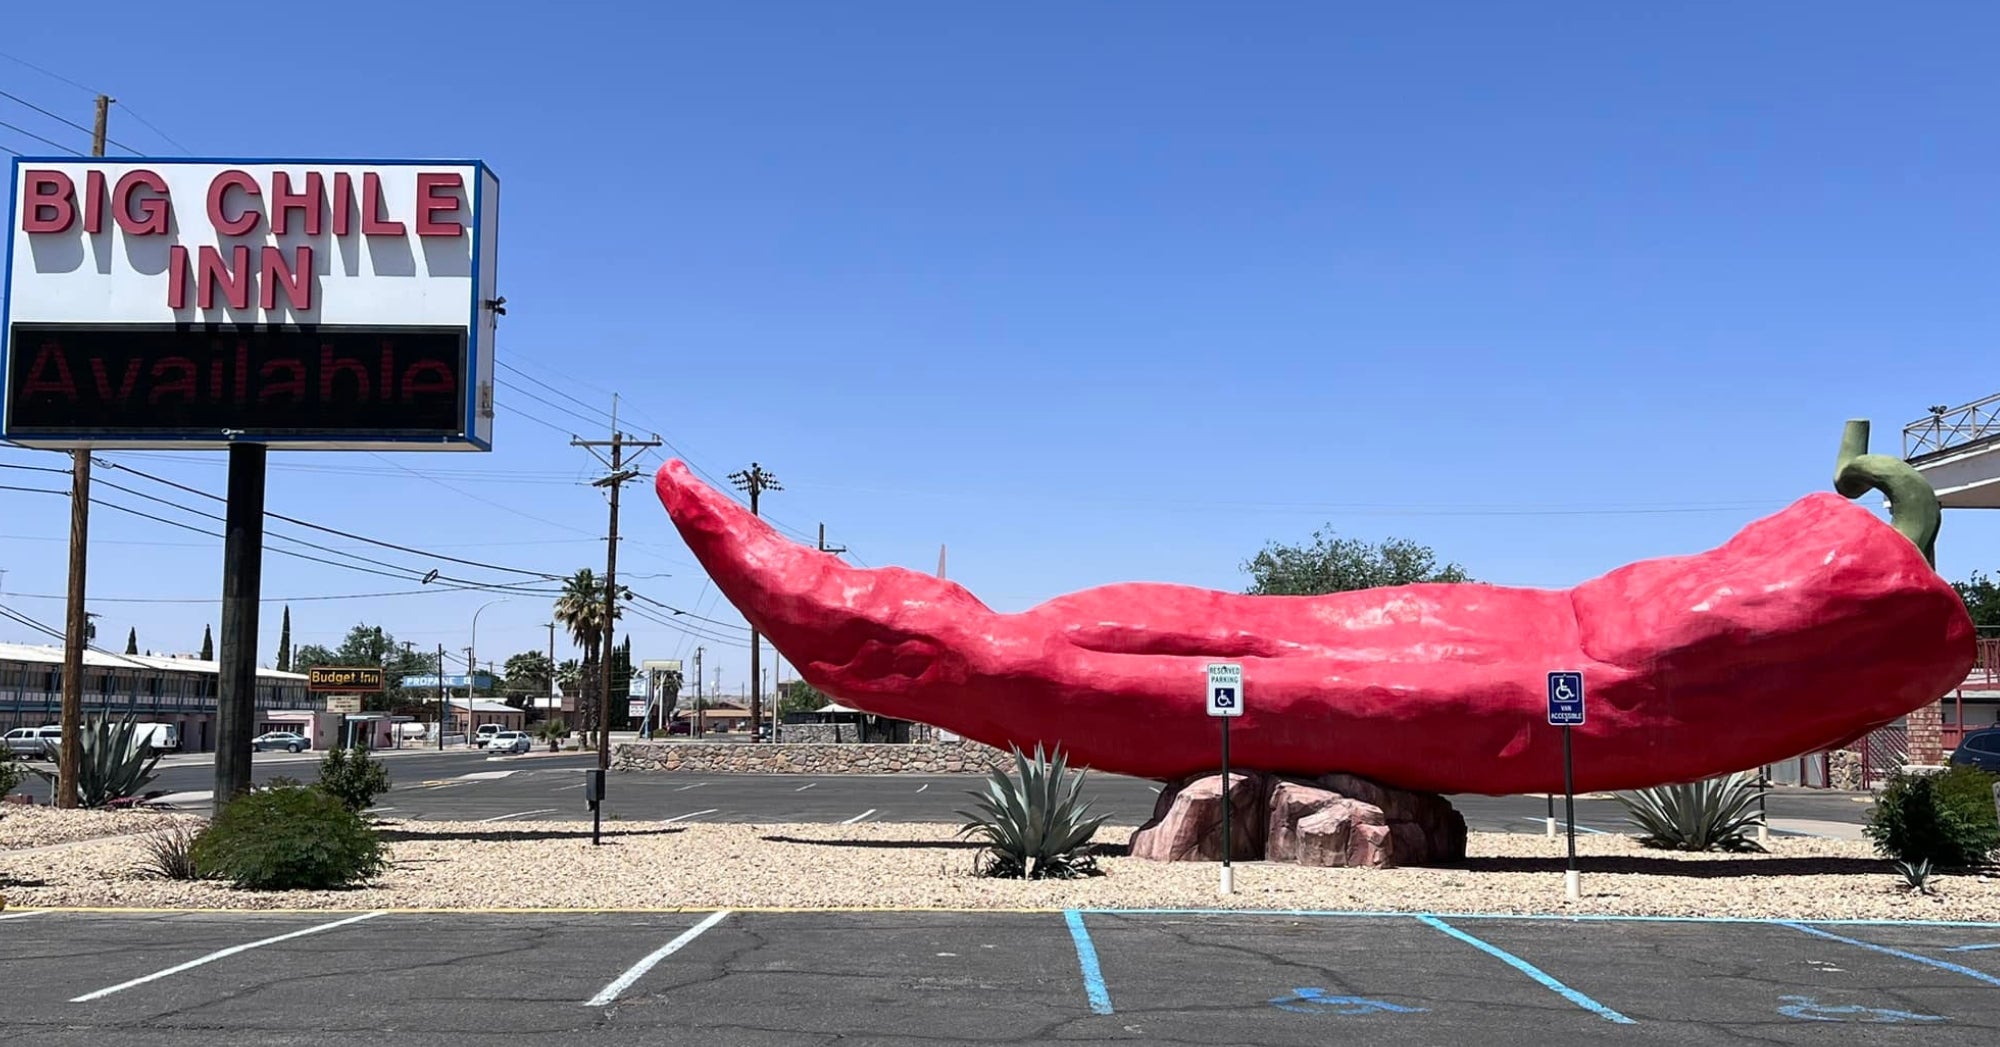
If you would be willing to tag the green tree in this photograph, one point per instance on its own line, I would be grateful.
(798, 696)
(621, 683)
(569, 676)
(1333, 565)
(207, 645)
(371, 645)
(132, 640)
(1982, 599)
(527, 676)
(580, 611)
(285, 642)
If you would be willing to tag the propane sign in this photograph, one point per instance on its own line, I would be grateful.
(310, 304)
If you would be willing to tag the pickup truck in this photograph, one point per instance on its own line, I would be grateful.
(31, 743)
(36, 743)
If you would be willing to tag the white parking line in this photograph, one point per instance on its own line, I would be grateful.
(638, 970)
(694, 814)
(804, 787)
(924, 786)
(859, 817)
(685, 788)
(17, 915)
(484, 776)
(220, 954)
(518, 814)
(377, 810)
(560, 788)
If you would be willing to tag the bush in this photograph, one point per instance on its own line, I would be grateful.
(1033, 826)
(170, 855)
(349, 776)
(1713, 815)
(11, 773)
(1945, 818)
(553, 732)
(288, 838)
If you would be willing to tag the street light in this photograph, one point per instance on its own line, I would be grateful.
(472, 667)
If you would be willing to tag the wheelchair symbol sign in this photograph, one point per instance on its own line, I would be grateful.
(1225, 690)
(1565, 699)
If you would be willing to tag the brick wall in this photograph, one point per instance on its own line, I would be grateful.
(1927, 734)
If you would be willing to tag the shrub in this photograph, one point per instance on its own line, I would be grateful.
(170, 855)
(11, 773)
(552, 732)
(116, 762)
(1944, 818)
(1033, 825)
(1717, 814)
(349, 776)
(288, 838)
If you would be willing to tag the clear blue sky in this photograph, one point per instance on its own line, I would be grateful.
(1094, 293)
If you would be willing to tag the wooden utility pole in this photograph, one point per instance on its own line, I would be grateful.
(756, 481)
(700, 713)
(615, 480)
(552, 710)
(76, 625)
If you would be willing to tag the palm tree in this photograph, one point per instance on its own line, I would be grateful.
(580, 611)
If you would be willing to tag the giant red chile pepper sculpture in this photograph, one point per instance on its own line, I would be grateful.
(1807, 628)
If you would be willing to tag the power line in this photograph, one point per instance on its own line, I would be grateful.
(45, 141)
(599, 411)
(63, 119)
(505, 384)
(337, 531)
(148, 125)
(51, 75)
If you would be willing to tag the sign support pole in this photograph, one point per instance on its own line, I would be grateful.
(444, 714)
(1572, 888)
(242, 579)
(1228, 873)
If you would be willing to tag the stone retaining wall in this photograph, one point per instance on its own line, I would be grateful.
(787, 758)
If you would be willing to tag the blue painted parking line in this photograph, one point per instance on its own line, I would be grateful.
(1086, 958)
(1943, 965)
(1531, 971)
(1560, 823)
(1392, 914)
(1973, 948)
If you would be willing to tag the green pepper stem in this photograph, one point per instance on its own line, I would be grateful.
(1913, 504)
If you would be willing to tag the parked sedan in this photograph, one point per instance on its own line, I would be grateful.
(289, 741)
(1979, 749)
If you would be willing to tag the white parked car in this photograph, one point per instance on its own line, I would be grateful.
(485, 734)
(510, 742)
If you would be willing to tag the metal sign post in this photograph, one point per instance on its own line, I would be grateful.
(1225, 700)
(1566, 711)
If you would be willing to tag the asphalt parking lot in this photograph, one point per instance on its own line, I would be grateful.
(778, 978)
(551, 790)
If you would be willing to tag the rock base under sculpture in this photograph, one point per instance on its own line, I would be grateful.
(1333, 820)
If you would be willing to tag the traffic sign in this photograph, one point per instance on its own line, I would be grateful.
(1565, 699)
(1225, 690)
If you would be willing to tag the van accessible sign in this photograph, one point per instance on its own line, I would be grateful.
(303, 303)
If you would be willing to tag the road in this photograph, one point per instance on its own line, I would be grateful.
(469, 785)
(872, 979)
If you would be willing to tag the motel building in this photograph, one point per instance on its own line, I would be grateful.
(153, 689)
(1958, 450)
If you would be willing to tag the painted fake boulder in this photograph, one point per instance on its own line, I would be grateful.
(1808, 628)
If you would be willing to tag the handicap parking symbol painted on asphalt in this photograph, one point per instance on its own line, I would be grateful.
(1805, 1008)
(1316, 1001)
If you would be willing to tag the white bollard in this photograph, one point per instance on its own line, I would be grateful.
(1552, 828)
(1763, 833)
(1228, 879)
(1571, 885)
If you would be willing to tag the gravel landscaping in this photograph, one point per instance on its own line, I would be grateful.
(652, 865)
(23, 826)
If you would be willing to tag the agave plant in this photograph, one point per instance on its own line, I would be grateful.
(1717, 814)
(1035, 822)
(116, 762)
(1917, 876)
